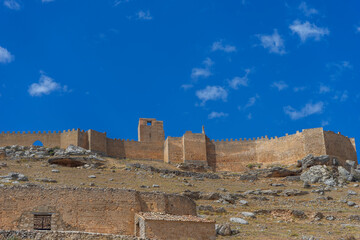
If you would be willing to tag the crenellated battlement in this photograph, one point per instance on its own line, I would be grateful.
(221, 154)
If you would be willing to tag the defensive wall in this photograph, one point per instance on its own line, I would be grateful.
(197, 148)
(101, 211)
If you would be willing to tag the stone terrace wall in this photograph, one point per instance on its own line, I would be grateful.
(174, 230)
(340, 146)
(23, 234)
(84, 209)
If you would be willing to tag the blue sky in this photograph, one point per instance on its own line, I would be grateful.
(242, 68)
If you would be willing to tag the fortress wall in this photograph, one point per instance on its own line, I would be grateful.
(69, 137)
(97, 141)
(49, 139)
(314, 141)
(194, 148)
(115, 148)
(210, 153)
(102, 210)
(173, 150)
(144, 150)
(83, 140)
(340, 146)
(166, 151)
(284, 150)
(234, 155)
(150, 133)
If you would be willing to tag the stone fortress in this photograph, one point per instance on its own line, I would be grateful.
(197, 148)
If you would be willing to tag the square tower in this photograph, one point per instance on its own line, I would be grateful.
(150, 130)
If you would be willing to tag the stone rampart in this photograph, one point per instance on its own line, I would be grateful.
(197, 148)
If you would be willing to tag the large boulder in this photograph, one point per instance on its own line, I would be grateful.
(355, 174)
(280, 172)
(311, 160)
(318, 173)
(75, 150)
(344, 174)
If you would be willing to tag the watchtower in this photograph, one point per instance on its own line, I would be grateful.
(150, 130)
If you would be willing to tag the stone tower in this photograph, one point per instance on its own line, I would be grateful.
(150, 130)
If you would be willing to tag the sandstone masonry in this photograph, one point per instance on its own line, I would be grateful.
(197, 148)
(66, 210)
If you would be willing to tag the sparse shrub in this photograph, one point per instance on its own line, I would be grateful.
(254, 165)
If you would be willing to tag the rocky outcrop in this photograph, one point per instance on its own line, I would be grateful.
(35, 152)
(318, 173)
(311, 160)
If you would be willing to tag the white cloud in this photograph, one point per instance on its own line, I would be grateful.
(212, 93)
(213, 115)
(144, 15)
(337, 69)
(200, 72)
(324, 123)
(308, 30)
(281, 85)
(307, 10)
(249, 116)
(324, 89)
(118, 2)
(251, 102)
(358, 29)
(299, 89)
(218, 46)
(45, 86)
(307, 110)
(274, 43)
(240, 81)
(208, 62)
(187, 86)
(12, 4)
(5, 56)
(342, 96)
(204, 72)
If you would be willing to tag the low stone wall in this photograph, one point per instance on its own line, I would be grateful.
(4, 235)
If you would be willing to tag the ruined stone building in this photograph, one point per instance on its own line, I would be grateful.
(117, 211)
(197, 148)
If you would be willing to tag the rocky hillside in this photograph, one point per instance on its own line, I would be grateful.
(315, 198)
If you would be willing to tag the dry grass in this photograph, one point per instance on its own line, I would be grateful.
(269, 226)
